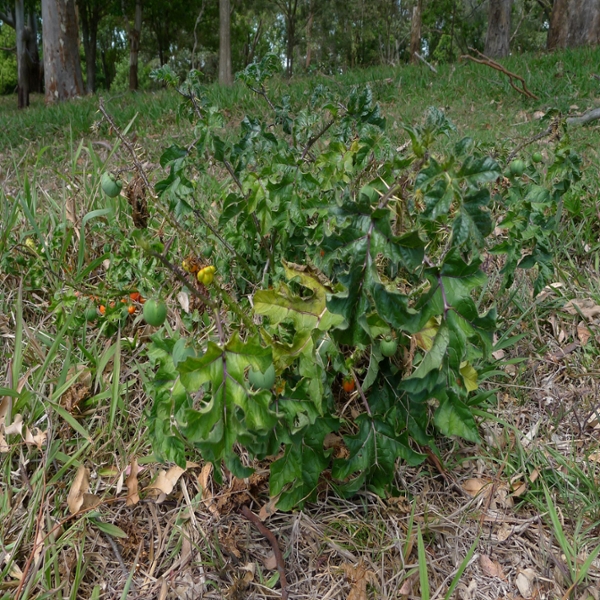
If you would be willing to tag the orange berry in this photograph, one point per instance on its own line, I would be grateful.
(135, 296)
(102, 309)
(348, 385)
(131, 309)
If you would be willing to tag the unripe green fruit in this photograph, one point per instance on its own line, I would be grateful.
(388, 346)
(155, 312)
(111, 186)
(262, 381)
(537, 157)
(517, 167)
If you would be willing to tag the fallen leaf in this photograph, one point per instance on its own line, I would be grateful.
(78, 489)
(359, 576)
(165, 482)
(131, 482)
(207, 495)
(270, 562)
(5, 406)
(35, 438)
(538, 114)
(4, 447)
(15, 427)
(586, 306)
(498, 354)
(268, 509)
(595, 456)
(583, 333)
(525, 581)
(491, 567)
(474, 486)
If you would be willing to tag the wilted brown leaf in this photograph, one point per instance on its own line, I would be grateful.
(78, 489)
(165, 482)
(583, 333)
(268, 509)
(491, 567)
(35, 438)
(207, 495)
(131, 482)
(524, 582)
(474, 486)
(270, 562)
(15, 427)
(585, 306)
(359, 576)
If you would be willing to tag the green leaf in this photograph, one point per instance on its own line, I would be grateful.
(453, 417)
(434, 358)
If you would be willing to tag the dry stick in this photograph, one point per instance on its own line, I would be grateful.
(485, 60)
(590, 115)
(535, 138)
(425, 62)
(313, 140)
(276, 550)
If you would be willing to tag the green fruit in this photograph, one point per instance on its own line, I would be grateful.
(91, 314)
(517, 167)
(262, 381)
(111, 186)
(207, 251)
(155, 312)
(537, 157)
(388, 346)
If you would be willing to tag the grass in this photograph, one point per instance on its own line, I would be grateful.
(82, 382)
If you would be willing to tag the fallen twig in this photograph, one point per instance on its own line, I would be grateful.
(424, 61)
(590, 115)
(274, 544)
(486, 60)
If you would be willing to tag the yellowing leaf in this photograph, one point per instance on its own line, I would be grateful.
(425, 337)
(469, 375)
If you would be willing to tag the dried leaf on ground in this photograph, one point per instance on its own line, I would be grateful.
(359, 577)
(207, 495)
(525, 582)
(490, 567)
(37, 437)
(78, 489)
(583, 333)
(585, 306)
(474, 486)
(270, 562)
(268, 509)
(165, 482)
(15, 427)
(131, 482)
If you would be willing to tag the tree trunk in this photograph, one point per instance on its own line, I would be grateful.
(36, 71)
(309, 24)
(22, 62)
(291, 42)
(498, 31)
(62, 69)
(574, 23)
(415, 32)
(89, 17)
(135, 34)
(225, 74)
